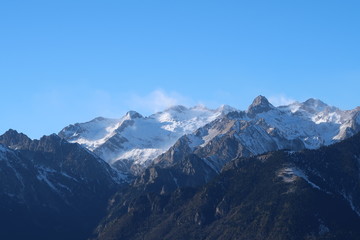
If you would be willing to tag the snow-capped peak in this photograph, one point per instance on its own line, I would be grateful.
(314, 105)
(225, 109)
(132, 115)
(176, 108)
(318, 111)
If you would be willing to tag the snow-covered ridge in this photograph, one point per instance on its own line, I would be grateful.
(137, 140)
(313, 122)
(140, 139)
(94, 133)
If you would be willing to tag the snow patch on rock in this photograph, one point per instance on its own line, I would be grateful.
(291, 174)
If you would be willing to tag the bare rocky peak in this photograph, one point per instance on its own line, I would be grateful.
(15, 140)
(259, 105)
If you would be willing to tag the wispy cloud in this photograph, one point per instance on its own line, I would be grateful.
(280, 100)
(158, 100)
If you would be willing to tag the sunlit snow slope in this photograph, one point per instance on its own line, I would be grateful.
(134, 141)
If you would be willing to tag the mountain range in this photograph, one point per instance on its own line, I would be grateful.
(287, 172)
(134, 142)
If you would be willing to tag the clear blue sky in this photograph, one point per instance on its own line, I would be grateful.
(63, 62)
